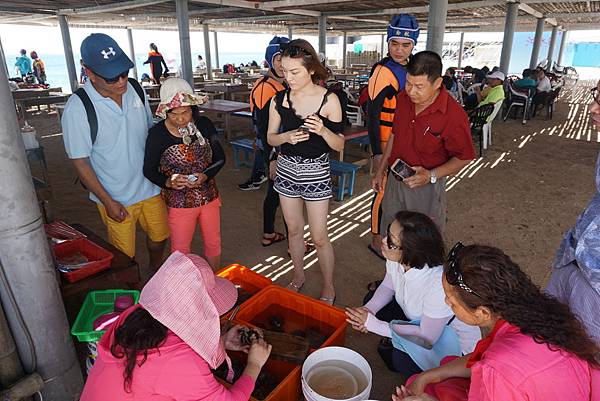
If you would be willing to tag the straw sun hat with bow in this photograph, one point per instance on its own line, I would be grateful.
(177, 92)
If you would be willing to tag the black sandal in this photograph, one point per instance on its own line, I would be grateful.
(277, 237)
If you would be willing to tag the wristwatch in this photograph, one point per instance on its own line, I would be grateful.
(433, 178)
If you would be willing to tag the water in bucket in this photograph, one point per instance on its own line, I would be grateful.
(336, 379)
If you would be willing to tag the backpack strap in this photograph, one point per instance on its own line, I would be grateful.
(90, 111)
(138, 89)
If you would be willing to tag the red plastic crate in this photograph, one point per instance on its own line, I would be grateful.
(99, 256)
(239, 275)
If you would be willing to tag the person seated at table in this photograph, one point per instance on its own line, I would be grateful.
(535, 349)
(575, 278)
(165, 347)
(543, 88)
(492, 93)
(408, 306)
(528, 81)
(183, 155)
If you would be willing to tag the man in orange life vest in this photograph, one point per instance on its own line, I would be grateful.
(263, 90)
(388, 77)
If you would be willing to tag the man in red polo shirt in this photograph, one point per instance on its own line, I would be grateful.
(431, 134)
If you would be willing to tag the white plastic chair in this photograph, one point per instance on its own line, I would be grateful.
(354, 114)
(487, 128)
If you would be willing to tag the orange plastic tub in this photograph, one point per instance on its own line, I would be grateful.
(244, 278)
(286, 374)
(299, 313)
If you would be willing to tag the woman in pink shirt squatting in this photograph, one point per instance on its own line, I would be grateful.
(164, 348)
(535, 349)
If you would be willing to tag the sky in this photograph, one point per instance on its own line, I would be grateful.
(48, 40)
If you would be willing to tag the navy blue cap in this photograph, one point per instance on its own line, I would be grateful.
(403, 26)
(102, 55)
(274, 48)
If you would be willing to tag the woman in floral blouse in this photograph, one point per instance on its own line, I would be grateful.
(183, 155)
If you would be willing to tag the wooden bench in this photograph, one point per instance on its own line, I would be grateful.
(346, 173)
(246, 147)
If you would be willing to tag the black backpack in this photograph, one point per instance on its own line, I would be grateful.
(91, 111)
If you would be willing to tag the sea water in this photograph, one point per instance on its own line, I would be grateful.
(336, 379)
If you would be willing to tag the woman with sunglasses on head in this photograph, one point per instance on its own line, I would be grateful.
(535, 350)
(305, 122)
(408, 306)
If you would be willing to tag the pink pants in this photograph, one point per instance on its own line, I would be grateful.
(182, 223)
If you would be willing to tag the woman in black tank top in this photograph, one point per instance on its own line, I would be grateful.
(306, 123)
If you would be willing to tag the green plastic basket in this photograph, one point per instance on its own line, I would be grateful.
(96, 304)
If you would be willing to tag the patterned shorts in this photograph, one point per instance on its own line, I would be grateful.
(309, 179)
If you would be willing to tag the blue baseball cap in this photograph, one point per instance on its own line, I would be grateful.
(102, 55)
(403, 26)
(274, 48)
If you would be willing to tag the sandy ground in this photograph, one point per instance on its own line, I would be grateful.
(521, 197)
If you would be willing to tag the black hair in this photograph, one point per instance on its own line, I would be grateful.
(425, 63)
(139, 333)
(195, 112)
(503, 287)
(448, 82)
(23, 52)
(422, 242)
(153, 47)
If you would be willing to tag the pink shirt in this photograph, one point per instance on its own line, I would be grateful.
(516, 368)
(175, 373)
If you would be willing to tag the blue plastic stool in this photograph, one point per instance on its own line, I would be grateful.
(246, 148)
(343, 170)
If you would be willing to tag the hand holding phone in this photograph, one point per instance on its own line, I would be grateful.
(402, 170)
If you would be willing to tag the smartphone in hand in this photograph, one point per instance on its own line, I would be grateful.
(402, 170)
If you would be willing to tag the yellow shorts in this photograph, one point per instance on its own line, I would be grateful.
(152, 215)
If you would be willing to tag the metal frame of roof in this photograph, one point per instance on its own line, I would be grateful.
(276, 16)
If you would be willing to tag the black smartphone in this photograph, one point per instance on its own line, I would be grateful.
(402, 170)
(304, 128)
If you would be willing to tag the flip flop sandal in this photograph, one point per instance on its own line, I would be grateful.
(327, 300)
(308, 248)
(294, 287)
(266, 241)
(376, 252)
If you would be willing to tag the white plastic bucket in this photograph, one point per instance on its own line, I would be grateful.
(349, 364)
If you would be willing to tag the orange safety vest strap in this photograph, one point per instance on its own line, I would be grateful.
(262, 92)
(383, 88)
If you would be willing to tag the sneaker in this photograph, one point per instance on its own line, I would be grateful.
(260, 180)
(248, 186)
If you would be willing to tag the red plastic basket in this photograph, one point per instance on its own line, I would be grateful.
(99, 258)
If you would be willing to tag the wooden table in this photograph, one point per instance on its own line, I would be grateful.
(225, 107)
(228, 89)
(354, 132)
(152, 90)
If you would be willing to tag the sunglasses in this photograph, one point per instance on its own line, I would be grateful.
(116, 79)
(390, 244)
(596, 95)
(454, 276)
(293, 51)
